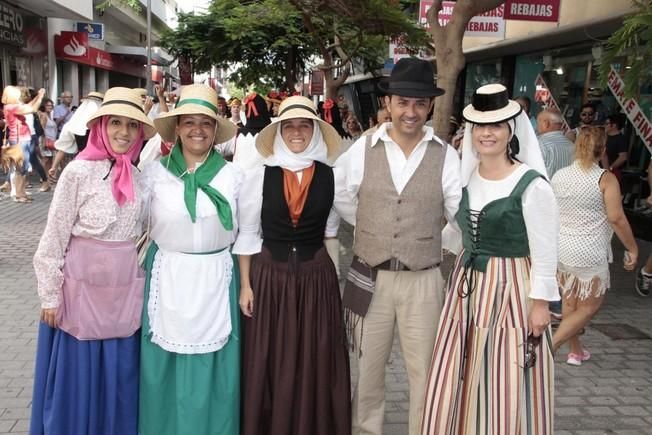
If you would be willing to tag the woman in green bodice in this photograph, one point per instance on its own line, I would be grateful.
(492, 368)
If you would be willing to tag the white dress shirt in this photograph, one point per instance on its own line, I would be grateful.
(349, 171)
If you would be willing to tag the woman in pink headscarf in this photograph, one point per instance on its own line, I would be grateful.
(90, 284)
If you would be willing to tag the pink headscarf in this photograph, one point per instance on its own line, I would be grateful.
(98, 147)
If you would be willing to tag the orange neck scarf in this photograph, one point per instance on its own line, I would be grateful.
(296, 192)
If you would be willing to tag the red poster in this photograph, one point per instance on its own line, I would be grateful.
(185, 71)
(532, 10)
(317, 82)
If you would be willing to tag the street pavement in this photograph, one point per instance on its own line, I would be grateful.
(610, 394)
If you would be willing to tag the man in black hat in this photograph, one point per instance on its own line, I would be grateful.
(396, 186)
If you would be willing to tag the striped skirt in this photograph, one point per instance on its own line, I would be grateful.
(478, 383)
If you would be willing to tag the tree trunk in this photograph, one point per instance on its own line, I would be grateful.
(449, 55)
(444, 104)
(290, 70)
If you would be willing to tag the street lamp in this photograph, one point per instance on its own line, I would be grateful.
(148, 83)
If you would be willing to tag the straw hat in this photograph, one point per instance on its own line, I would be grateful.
(95, 95)
(195, 100)
(292, 108)
(491, 104)
(124, 102)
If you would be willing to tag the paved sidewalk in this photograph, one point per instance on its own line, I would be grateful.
(611, 394)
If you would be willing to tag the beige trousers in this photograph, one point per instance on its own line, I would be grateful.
(412, 301)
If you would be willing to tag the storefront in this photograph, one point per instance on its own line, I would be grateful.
(82, 68)
(23, 48)
(568, 75)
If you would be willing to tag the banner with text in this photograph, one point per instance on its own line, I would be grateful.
(532, 10)
(631, 108)
(490, 23)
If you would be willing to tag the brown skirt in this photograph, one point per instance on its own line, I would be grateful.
(295, 366)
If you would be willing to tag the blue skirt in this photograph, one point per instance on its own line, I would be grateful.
(85, 387)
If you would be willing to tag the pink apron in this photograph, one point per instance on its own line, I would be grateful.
(103, 290)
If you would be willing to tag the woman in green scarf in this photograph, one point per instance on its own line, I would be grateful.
(190, 352)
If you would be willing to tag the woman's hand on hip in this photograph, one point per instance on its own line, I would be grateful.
(539, 317)
(49, 316)
(247, 301)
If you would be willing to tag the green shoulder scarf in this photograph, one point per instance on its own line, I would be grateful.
(199, 179)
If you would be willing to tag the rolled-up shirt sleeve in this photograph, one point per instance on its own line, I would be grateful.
(451, 181)
(541, 216)
(348, 172)
(250, 204)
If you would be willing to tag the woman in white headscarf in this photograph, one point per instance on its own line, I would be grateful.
(295, 366)
(492, 367)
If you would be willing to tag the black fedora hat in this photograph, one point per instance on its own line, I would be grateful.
(411, 77)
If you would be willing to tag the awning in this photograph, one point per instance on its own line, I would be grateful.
(555, 37)
(159, 55)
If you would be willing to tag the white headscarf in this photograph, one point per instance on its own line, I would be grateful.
(529, 152)
(285, 158)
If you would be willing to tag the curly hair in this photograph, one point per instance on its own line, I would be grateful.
(590, 145)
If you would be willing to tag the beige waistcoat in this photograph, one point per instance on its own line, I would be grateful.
(406, 226)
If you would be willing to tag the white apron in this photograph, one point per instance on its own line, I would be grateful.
(188, 304)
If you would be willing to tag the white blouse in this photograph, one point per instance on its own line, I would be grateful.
(169, 222)
(250, 204)
(541, 216)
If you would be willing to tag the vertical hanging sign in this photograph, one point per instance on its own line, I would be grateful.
(631, 108)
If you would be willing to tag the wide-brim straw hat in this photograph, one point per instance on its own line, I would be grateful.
(491, 104)
(293, 108)
(195, 100)
(96, 95)
(124, 102)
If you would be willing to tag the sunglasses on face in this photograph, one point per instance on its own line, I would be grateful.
(586, 114)
(530, 351)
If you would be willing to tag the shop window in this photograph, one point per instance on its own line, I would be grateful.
(480, 74)
(526, 71)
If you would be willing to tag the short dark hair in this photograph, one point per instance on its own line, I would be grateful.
(618, 119)
(588, 106)
(525, 99)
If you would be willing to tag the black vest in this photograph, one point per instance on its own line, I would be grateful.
(279, 235)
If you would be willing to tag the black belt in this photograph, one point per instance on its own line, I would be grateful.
(394, 265)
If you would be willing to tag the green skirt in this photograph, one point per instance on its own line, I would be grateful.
(190, 394)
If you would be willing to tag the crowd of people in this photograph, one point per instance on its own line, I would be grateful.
(188, 271)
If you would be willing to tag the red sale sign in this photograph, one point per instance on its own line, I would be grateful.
(532, 10)
(490, 23)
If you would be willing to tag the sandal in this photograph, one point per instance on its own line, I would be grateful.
(22, 200)
(576, 360)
